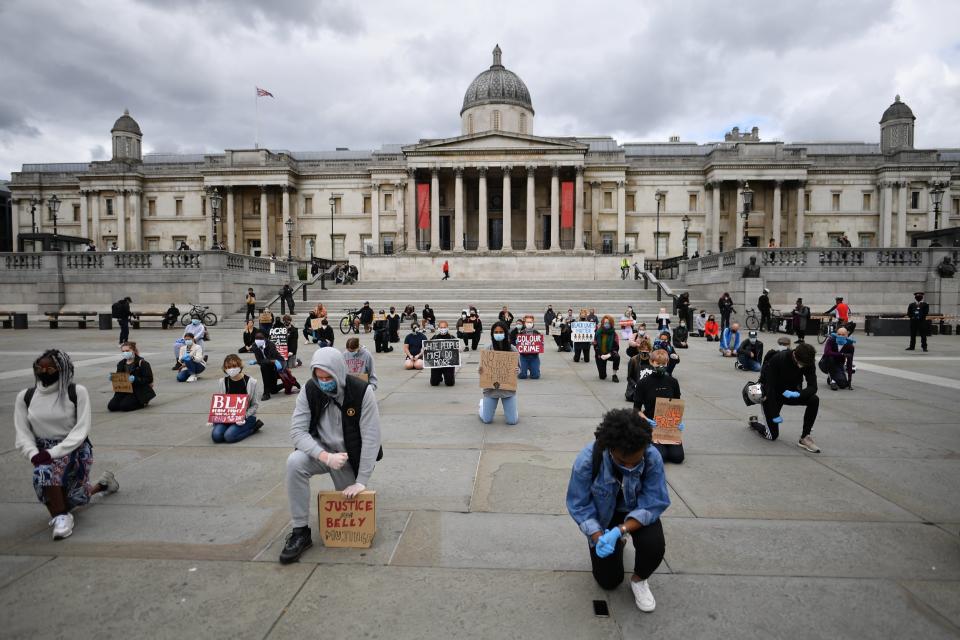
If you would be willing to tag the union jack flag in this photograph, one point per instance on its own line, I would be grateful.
(263, 93)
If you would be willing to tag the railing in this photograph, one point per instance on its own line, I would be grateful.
(181, 260)
(132, 260)
(24, 261)
(900, 257)
(818, 257)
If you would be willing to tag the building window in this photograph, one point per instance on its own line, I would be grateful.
(631, 202)
(956, 206)
(523, 123)
(76, 212)
(914, 199)
(177, 240)
(309, 246)
(693, 243)
(630, 242)
(151, 207)
(470, 123)
(109, 207)
(366, 204)
(203, 205)
(337, 204)
(442, 197)
(835, 201)
(807, 240)
(201, 243)
(587, 240)
(806, 201)
(388, 244)
(723, 241)
(339, 251)
(607, 243)
(366, 245)
(723, 201)
(867, 201)
(866, 240)
(388, 202)
(496, 120)
(833, 239)
(692, 203)
(608, 199)
(151, 243)
(308, 206)
(178, 209)
(109, 241)
(663, 244)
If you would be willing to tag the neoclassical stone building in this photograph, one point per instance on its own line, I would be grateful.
(499, 187)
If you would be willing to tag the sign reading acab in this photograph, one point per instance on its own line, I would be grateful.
(347, 522)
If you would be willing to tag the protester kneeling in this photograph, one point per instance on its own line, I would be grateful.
(488, 403)
(446, 374)
(617, 487)
(659, 384)
(140, 376)
(237, 383)
(191, 357)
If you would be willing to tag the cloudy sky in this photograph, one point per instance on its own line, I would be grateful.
(360, 74)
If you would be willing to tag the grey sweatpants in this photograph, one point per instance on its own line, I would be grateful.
(300, 468)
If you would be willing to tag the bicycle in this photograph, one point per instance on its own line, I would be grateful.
(826, 328)
(751, 319)
(350, 322)
(208, 318)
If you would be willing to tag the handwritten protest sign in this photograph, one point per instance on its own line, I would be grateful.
(228, 408)
(441, 353)
(582, 331)
(467, 327)
(530, 343)
(498, 369)
(668, 412)
(356, 367)
(266, 317)
(121, 382)
(347, 523)
(279, 337)
(315, 323)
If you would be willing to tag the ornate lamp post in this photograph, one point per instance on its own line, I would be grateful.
(747, 205)
(34, 203)
(659, 195)
(289, 225)
(54, 205)
(333, 204)
(937, 195)
(215, 201)
(686, 228)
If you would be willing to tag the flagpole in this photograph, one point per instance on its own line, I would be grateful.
(256, 102)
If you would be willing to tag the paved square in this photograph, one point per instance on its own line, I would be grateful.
(763, 539)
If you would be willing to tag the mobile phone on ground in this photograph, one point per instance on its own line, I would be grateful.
(600, 609)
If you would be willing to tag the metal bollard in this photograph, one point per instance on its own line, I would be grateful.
(323, 281)
(304, 293)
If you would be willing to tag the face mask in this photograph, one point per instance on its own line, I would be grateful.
(784, 347)
(683, 324)
(128, 355)
(641, 332)
(660, 370)
(195, 322)
(327, 386)
(188, 342)
(498, 337)
(644, 355)
(528, 325)
(48, 378)
(463, 315)
(606, 325)
(918, 298)
(443, 331)
(841, 340)
(233, 372)
(260, 343)
(751, 340)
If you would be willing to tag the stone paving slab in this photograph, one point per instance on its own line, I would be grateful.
(12, 568)
(943, 597)
(127, 598)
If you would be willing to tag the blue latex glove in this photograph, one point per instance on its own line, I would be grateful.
(110, 377)
(791, 394)
(187, 358)
(681, 426)
(652, 422)
(607, 543)
(278, 365)
(251, 362)
(132, 378)
(777, 420)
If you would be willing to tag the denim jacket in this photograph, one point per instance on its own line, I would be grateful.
(592, 503)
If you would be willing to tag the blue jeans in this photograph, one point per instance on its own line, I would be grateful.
(529, 365)
(230, 433)
(488, 407)
(747, 362)
(192, 368)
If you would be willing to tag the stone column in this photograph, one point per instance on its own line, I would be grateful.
(458, 209)
(136, 239)
(375, 216)
(400, 202)
(595, 193)
(482, 241)
(738, 215)
(578, 211)
(801, 190)
(411, 206)
(435, 210)
(507, 218)
(230, 230)
(901, 213)
(555, 209)
(84, 227)
(776, 211)
(95, 232)
(886, 215)
(121, 212)
(715, 214)
(264, 224)
(285, 215)
(622, 215)
(531, 208)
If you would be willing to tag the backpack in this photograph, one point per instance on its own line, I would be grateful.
(116, 310)
(350, 412)
(71, 393)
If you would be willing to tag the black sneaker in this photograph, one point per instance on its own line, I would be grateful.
(258, 426)
(265, 397)
(298, 541)
(615, 378)
(833, 385)
(759, 427)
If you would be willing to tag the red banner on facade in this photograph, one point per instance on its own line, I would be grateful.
(423, 206)
(566, 205)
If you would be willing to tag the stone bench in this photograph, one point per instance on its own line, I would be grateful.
(80, 317)
(138, 317)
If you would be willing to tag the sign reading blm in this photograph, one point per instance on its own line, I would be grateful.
(441, 353)
(530, 343)
(228, 408)
(582, 331)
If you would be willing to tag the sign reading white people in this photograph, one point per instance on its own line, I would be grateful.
(529, 343)
(441, 352)
(582, 331)
(278, 335)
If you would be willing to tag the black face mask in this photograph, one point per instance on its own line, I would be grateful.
(46, 378)
(660, 370)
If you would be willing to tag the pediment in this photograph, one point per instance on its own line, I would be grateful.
(496, 141)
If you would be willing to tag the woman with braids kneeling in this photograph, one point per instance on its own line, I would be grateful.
(52, 421)
(617, 488)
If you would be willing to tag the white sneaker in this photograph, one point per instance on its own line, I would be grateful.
(62, 526)
(192, 379)
(643, 596)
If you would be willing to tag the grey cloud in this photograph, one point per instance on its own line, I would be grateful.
(98, 152)
(13, 122)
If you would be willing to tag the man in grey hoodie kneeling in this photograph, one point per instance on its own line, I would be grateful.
(336, 429)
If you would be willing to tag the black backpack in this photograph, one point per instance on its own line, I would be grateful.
(116, 309)
(350, 412)
(71, 393)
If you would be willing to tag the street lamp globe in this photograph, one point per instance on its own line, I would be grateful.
(936, 194)
(54, 205)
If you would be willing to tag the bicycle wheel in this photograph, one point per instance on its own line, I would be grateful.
(209, 319)
(186, 318)
(822, 334)
(752, 323)
(345, 325)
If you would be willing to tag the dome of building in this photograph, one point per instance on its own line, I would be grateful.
(127, 124)
(497, 85)
(897, 110)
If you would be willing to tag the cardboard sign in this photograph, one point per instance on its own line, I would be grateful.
(347, 523)
(528, 344)
(278, 335)
(266, 318)
(315, 323)
(363, 376)
(356, 367)
(441, 352)
(121, 382)
(626, 322)
(582, 331)
(466, 327)
(668, 413)
(498, 369)
(228, 408)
